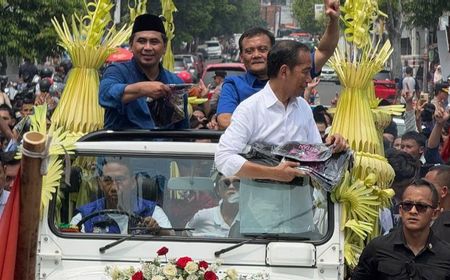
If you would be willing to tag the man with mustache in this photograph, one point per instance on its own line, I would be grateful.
(126, 87)
(254, 45)
(119, 187)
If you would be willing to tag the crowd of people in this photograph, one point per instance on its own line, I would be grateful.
(265, 105)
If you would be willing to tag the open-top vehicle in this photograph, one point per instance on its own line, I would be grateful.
(293, 234)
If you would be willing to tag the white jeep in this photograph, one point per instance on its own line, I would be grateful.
(298, 238)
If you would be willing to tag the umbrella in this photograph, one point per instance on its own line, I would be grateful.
(120, 55)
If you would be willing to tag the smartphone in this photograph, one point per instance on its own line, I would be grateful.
(180, 86)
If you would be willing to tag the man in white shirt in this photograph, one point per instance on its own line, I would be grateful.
(119, 189)
(409, 84)
(274, 115)
(217, 221)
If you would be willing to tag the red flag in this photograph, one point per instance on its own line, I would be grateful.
(9, 230)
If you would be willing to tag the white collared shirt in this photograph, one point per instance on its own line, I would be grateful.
(209, 223)
(263, 118)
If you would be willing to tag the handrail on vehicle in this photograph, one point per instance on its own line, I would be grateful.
(152, 135)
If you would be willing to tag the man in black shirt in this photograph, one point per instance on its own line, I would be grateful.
(440, 177)
(410, 251)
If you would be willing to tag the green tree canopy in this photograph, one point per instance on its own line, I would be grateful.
(26, 27)
(425, 13)
(304, 14)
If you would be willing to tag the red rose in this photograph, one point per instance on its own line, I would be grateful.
(181, 262)
(203, 264)
(209, 275)
(138, 276)
(162, 251)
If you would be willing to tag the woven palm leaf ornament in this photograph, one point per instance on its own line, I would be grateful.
(168, 8)
(88, 41)
(61, 143)
(358, 118)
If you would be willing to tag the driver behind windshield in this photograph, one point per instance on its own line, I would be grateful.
(119, 190)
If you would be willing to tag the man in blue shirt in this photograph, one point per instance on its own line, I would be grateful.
(254, 45)
(126, 87)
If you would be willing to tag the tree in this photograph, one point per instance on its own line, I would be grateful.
(27, 30)
(304, 14)
(426, 14)
(394, 25)
(201, 19)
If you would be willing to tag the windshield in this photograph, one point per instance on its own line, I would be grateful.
(183, 197)
(213, 44)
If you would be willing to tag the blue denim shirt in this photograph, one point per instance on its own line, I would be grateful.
(135, 114)
(236, 89)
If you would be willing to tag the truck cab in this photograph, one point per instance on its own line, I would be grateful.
(290, 232)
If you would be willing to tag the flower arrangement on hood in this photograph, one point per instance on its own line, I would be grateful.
(184, 268)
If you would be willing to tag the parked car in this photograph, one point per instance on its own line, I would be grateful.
(385, 87)
(189, 60)
(179, 64)
(214, 49)
(230, 68)
(328, 74)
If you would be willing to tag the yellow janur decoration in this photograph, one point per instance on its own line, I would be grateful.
(359, 119)
(89, 42)
(61, 143)
(168, 8)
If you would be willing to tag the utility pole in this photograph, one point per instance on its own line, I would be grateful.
(425, 62)
(117, 12)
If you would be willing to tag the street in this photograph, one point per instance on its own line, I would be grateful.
(327, 91)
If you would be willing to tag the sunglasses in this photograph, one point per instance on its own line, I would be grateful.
(420, 207)
(109, 180)
(225, 183)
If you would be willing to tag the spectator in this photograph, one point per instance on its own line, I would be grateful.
(437, 75)
(26, 108)
(414, 143)
(419, 76)
(440, 177)
(410, 251)
(254, 45)
(198, 120)
(7, 115)
(407, 169)
(440, 95)
(45, 97)
(390, 134)
(409, 84)
(219, 77)
(319, 109)
(397, 143)
(126, 87)
(10, 167)
(432, 155)
(27, 71)
(321, 124)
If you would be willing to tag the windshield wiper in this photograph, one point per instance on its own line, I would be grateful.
(103, 249)
(260, 236)
(266, 235)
